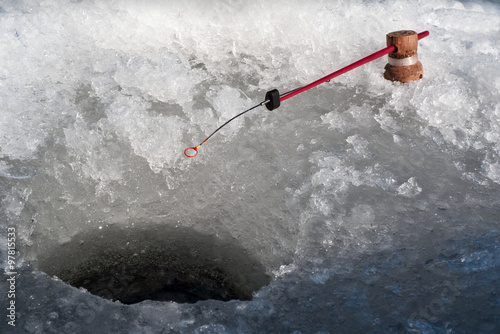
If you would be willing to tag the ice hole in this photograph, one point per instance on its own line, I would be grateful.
(157, 263)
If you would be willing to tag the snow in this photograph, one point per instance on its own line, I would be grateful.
(373, 206)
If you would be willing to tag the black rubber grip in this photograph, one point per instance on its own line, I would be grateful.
(273, 96)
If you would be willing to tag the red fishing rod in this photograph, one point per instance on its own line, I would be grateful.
(273, 98)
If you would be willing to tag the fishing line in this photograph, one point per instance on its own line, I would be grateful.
(266, 102)
(273, 98)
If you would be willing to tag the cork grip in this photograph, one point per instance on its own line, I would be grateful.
(406, 43)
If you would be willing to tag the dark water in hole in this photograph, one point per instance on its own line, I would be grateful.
(157, 263)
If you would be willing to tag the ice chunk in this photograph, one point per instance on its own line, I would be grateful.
(14, 202)
(410, 188)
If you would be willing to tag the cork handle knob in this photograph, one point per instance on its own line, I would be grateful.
(403, 64)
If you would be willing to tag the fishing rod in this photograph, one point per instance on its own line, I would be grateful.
(273, 98)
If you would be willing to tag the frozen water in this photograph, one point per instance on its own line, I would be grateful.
(373, 205)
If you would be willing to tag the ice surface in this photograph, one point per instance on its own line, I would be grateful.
(374, 205)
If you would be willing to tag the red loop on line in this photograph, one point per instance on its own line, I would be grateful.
(192, 155)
